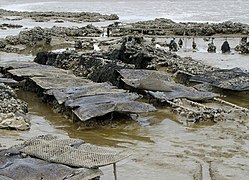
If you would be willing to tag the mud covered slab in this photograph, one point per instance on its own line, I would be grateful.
(102, 99)
(37, 70)
(192, 94)
(16, 64)
(232, 79)
(97, 110)
(99, 105)
(59, 82)
(143, 74)
(95, 100)
(161, 86)
(16, 166)
(90, 89)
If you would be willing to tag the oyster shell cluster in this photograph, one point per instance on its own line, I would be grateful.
(12, 110)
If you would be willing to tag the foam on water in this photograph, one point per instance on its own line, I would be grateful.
(27, 6)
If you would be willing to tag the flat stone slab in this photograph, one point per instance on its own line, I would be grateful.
(85, 98)
(47, 83)
(191, 95)
(161, 86)
(232, 79)
(91, 89)
(38, 70)
(98, 99)
(102, 99)
(8, 81)
(137, 74)
(16, 64)
(97, 110)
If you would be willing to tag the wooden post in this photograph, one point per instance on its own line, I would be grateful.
(115, 171)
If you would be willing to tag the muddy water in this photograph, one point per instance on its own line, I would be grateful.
(29, 24)
(136, 10)
(219, 60)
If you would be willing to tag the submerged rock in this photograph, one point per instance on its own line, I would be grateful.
(243, 47)
(10, 25)
(225, 48)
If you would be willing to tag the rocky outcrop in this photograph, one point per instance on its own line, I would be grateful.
(43, 36)
(30, 37)
(243, 47)
(161, 26)
(94, 66)
(145, 56)
(89, 31)
(68, 16)
(129, 53)
(12, 110)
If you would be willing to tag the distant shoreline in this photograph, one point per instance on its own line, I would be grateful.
(141, 10)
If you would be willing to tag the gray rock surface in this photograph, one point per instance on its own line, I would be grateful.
(161, 26)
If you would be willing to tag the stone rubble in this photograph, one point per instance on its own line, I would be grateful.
(12, 110)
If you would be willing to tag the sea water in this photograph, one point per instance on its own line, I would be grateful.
(135, 10)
